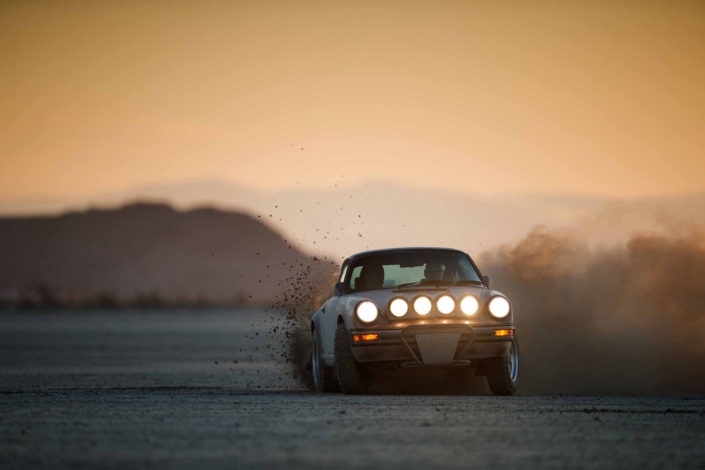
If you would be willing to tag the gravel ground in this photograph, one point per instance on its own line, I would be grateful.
(129, 390)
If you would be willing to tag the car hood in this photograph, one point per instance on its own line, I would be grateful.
(383, 296)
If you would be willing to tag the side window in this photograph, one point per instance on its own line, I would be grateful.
(468, 272)
(355, 275)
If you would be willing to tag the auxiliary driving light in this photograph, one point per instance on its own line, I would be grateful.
(422, 305)
(398, 307)
(469, 305)
(366, 311)
(499, 307)
(445, 304)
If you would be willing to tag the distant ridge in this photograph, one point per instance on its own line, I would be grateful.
(146, 249)
(342, 219)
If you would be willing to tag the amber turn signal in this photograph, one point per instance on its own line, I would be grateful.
(371, 337)
(504, 332)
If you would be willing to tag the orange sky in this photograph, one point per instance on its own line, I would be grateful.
(599, 98)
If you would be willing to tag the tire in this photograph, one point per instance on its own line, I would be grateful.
(323, 375)
(351, 377)
(503, 372)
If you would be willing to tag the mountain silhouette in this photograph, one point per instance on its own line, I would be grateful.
(148, 248)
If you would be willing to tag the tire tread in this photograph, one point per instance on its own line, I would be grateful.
(497, 372)
(350, 374)
(498, 376)
(327, 381)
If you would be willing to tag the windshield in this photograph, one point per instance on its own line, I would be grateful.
(410, 268)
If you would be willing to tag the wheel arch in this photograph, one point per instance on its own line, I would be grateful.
(315, 319)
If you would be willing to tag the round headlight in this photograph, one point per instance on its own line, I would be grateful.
(399, 307)
(422, 305)
(445, 304)
(366, 311)
(469, 305)
(499, 307)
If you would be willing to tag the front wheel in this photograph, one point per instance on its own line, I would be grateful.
(323, 375)
(351, 377)
(503, 372)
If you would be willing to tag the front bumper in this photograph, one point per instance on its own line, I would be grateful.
(400, 345)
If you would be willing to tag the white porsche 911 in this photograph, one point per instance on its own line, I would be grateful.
(413, 307)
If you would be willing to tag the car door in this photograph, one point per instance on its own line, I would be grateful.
(329, 314)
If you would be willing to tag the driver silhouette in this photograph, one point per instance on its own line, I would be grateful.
(434, 271)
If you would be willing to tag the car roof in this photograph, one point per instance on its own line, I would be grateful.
(392, 250)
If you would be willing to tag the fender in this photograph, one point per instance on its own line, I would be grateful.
(316, 321)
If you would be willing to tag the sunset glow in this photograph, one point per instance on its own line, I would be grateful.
(481, 98)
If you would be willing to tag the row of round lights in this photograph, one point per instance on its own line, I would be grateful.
(367, 311)
(423, 305)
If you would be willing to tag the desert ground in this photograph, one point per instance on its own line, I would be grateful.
(212, 389)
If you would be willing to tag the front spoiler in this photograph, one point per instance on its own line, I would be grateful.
(399, 345)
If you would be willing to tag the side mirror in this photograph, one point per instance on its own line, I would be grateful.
(338, 289)
(488, 281)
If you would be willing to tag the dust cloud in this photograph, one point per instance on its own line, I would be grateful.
(628, 318)
(287, 336)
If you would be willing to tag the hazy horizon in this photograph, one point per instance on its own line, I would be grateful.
(340, 221)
